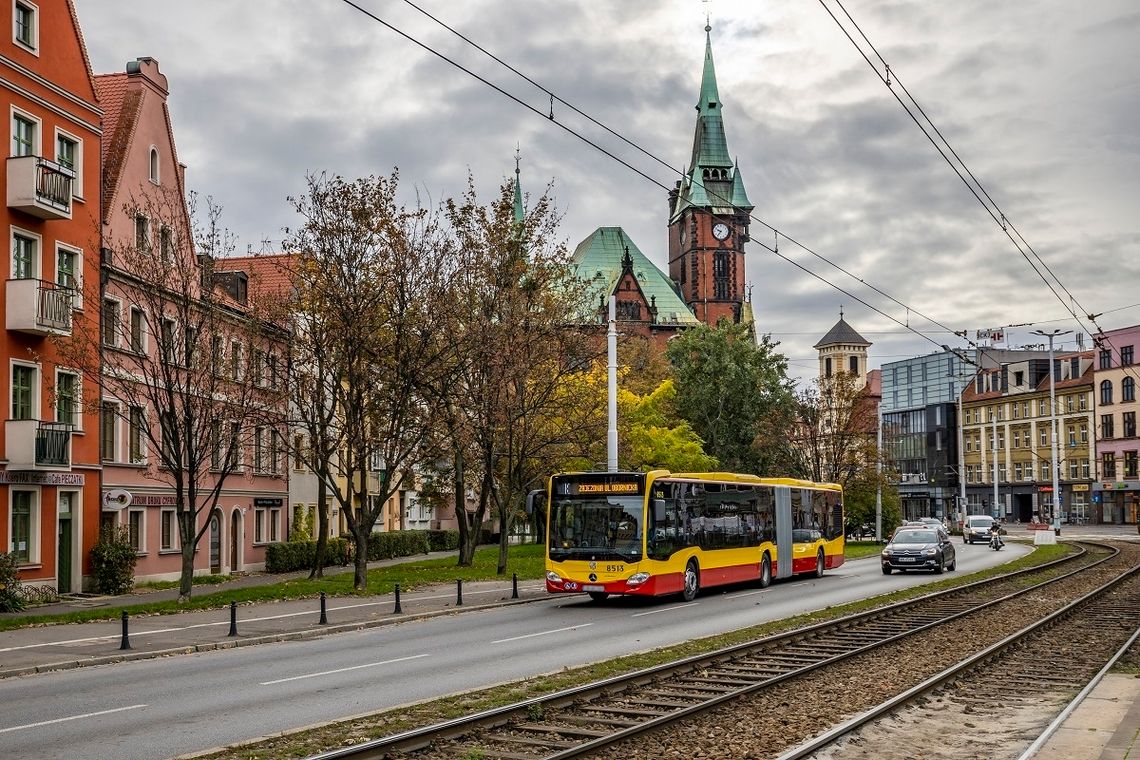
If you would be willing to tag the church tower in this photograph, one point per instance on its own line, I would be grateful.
(708, 217)
(843, 350)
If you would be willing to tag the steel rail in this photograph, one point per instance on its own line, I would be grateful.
(421, 738)
(833, 735)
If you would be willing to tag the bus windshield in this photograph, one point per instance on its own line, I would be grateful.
(596, 527)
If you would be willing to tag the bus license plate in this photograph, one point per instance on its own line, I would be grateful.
(593, 588)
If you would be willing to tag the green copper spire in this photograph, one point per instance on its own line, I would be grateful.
(518, 191)
(712, 179)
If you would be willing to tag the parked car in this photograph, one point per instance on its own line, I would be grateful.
(919, 549)
(977, 528)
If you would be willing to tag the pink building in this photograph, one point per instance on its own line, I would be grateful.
(156, 286)
(1116, 492)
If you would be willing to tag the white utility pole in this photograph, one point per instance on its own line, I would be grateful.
(611, 430)
(1053, 424)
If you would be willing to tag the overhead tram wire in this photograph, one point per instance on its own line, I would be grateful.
(609, 154)
(989, 203)
(995, 212)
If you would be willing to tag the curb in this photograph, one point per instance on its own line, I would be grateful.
(305, 633)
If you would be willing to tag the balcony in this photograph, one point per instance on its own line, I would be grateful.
(39, 307)
(36, 445)
(39, 187)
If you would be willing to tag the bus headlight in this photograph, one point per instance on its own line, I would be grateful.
(637, 579)
(553, 577)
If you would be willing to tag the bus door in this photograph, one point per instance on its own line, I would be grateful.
(783, 532)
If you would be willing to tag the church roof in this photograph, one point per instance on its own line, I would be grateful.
(598, 260)
(713, 179)
(842, 333)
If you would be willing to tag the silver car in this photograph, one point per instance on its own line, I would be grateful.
(977, 528)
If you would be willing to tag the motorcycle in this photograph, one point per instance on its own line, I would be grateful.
(995, 540)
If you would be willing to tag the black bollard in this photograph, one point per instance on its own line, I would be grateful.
(126, 643)
(324, 616)
(233, 619)
(397, 611)
(514, 585)
(458, 592)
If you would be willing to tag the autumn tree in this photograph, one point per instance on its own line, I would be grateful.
(736, 394)
(370, 276)
(509, 331)
(159, 350)
(833, 439)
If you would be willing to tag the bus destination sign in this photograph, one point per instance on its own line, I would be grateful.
(608, 487)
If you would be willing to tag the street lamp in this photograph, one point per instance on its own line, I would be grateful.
(960, 388)
(1053, 420)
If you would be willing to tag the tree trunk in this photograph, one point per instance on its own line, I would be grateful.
(466, 544)
(360, 561)
(318, 569)
(186, 578)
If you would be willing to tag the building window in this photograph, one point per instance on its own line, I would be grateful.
(135, 527)
(142, 233)
(110, 326)
(169, 530)
(1069, 403)
(217, 353)
(1125, 356)
(234, 456)
(109, 413)
(24, 529)
(1108, 465)
(67, 269)
(1130, 464)
(274, 521)
(1105, 358)
(1106, 392)
(171, 454)
(1044, 435)
(1128, 422)
(23, 392)
(1074, 469)
(1084, 432)
(136, 431)
(25, 30)
(67, 398)
(1128, 389)
(827, 367)
(1017, 470)
(154, 165)
(259, 526)
(25, 256)
(169, 346)
(298, 452)
(257, 366)
(853, 365)
(166, 244)
(259, 450)
(1082, 402)
(138, 330)
(235, 361)
(25, 129)
(1106, 426)
(69, 155)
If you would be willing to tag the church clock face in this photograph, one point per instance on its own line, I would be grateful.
(720, 230)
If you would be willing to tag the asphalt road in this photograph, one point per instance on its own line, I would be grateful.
(166, 707)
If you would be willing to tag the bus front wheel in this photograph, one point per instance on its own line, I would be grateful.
(765, 572)
(692, 581)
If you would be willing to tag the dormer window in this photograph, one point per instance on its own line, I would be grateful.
(154, 164)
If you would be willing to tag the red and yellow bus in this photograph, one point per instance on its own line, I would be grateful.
(658, 532)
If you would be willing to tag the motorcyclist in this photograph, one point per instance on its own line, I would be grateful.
(995, 535)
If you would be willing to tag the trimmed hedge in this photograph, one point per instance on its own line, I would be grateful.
(298, 555)
(443, 540)
(397, 543)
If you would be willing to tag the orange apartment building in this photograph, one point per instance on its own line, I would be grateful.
(49, 450)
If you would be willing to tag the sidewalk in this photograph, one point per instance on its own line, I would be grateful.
(1104, 727)
(59, 647)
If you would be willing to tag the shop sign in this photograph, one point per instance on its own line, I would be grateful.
(1080, 487)
(43, 478)
(262, 501)
(153, 500)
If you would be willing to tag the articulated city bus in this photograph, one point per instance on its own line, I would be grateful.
(664, 533)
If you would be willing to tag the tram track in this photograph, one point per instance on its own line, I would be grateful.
(585, 720)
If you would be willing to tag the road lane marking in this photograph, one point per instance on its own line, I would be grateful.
(666, 609)
(342, 670)
(264, 618)
(747, 593)
(543, 633)
(70, 717)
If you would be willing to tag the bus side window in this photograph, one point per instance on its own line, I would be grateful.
(835, 505)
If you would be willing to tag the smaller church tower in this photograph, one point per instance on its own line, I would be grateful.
(843, 350)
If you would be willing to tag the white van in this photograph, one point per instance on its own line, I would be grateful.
(977, 528)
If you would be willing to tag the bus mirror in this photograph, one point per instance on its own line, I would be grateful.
(659, 510)
(536, 502)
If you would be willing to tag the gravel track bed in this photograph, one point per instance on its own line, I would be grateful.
(763, 725)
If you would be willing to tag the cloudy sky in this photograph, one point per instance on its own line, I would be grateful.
(1041, 98)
